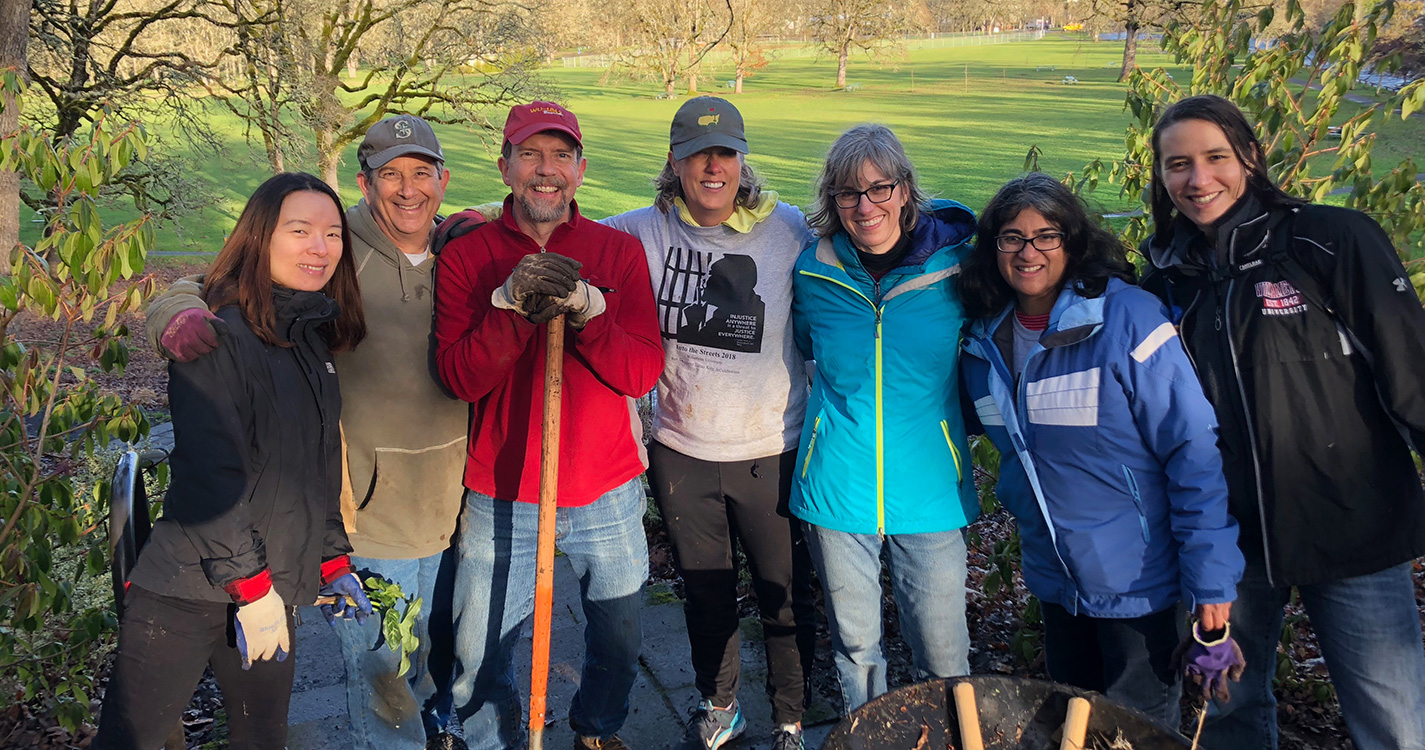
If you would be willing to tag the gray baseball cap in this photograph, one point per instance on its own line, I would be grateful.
(705, 122)
(400, 135)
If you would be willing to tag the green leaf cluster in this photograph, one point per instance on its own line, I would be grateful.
(398, 614)
(80, 277)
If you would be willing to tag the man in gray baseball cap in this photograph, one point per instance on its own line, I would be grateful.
(404, 437)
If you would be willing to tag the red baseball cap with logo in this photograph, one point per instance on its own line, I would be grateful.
(536, 117)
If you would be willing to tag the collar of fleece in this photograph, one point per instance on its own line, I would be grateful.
(742, 219)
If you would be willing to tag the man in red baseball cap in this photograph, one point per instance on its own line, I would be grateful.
(499, 285)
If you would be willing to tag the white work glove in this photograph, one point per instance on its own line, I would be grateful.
(581, 305)
(262, 630)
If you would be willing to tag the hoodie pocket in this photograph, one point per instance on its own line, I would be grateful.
(954, 452)
(412, 500)
(1132, 484)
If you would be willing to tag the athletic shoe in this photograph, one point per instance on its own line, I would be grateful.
(787, 737)
(712, 727)
(594, 743)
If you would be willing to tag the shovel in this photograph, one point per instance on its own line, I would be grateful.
(544, 556)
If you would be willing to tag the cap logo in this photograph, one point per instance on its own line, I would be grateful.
(402, 128)
(708, 119)
(546, 111)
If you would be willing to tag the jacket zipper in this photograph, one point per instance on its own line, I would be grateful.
(1137, 499)
(811, 446)
(880, 433)
(954, 452)
(1247, 419)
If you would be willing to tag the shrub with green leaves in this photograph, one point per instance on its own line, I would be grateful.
(76, 283)
(398, 613)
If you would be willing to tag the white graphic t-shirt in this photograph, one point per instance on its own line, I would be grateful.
(734, 385)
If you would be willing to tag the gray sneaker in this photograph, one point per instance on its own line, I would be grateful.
(712, 727)
(787, 737)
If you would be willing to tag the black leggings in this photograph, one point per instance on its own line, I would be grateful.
(164, 643)
(704, 504)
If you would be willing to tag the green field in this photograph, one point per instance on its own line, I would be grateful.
(967, 115)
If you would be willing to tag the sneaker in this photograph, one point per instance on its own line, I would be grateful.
(787, 737)
(594, 743)
(712, 727)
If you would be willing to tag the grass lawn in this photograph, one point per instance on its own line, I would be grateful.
(967, 115)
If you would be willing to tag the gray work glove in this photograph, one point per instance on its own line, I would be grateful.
(581, 305)
(536, 279)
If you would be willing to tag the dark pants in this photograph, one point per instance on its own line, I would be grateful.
(705, 504)
(164, 644)
(1129, 660)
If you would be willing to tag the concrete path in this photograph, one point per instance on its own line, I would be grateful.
(661, 697)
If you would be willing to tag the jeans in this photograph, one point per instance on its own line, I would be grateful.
(711, 509)
(164, 644)
(1129, 660)
(1369, 631)
(928, 580)
(391, 712)
(494, 595)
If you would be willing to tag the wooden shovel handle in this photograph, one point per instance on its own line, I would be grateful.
(968, 714)
(548, 505)
(1076, 724)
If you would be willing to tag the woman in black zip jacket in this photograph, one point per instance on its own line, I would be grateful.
(251, 523)
(1310, 343)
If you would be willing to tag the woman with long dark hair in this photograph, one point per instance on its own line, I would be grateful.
(1310, 343)
(251, 524)
(1108, 449)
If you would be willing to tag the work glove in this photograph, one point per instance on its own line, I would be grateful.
(455, 226)
(344, 597)
(192, 333)
(1210, 660)
(262, 629)
(537, 275)
(581, 305)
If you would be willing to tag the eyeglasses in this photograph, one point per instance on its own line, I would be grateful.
(876, 194)
(1013, 243)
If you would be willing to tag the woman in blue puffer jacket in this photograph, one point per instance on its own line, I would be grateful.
(882, 461)
(1109, 458)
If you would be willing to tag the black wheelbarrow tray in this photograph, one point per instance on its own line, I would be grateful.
(1016, 713)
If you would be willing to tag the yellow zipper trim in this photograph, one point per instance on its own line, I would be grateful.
(880, 440)
(811, 446)
(959, 472)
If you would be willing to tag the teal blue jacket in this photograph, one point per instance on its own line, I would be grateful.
(883, 447)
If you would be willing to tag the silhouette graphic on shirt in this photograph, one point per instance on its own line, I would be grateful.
(725, 312)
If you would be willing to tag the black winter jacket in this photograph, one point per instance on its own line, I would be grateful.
(256, 464)
(1315, 405)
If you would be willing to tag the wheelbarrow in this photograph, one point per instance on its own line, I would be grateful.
(1015, 713)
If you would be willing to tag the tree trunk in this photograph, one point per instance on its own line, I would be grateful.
(14, 40)
(841, 66)
(669, 84)
(351, 65)
(692, 82)
(328, 159)
(737, 87)
(1130, 50)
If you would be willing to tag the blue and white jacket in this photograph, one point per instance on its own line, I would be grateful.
(883, 446)
(1108, 457)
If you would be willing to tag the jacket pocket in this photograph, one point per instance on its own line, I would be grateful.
(811, 446)
(954, 452)
(1132, 484)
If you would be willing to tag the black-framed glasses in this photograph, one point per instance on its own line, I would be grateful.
(1013, 243)
(876, 194)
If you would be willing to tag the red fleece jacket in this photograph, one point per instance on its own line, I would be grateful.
(495, 360)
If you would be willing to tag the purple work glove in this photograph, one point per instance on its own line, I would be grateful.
(193, 333)
(350, 600)
(1211, 660)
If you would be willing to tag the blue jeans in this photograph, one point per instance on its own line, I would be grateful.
(928, 580)
(1369, 631)
(494, 595)
(390, 712)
